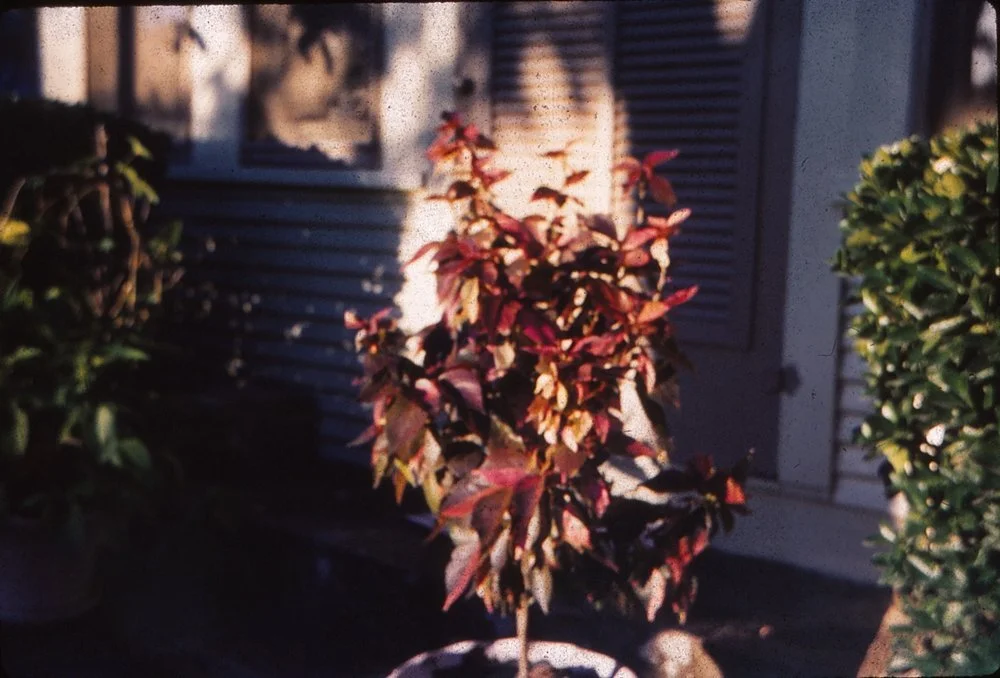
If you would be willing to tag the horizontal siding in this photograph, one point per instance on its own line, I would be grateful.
(274, 268)
(856, 482)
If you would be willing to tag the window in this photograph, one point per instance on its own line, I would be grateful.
(336, 95)
(314, 85)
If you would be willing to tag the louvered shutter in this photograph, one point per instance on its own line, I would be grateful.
(550, 85)
(688, 75)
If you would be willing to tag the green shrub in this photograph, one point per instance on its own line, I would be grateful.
(920, 237)
(83, 270)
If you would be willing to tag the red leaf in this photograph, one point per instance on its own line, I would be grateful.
(636, 448)
(537, 328)
(507, 476)
(636, 258)
(460, 190)
(656, 158)
(597, 344)
(576, 177)
(508, 317)
(735, 495)
(485, 143)
(352, 321)
(566, 462)
(670, 223)
(546, 193)
(574, 529)
(366, 436)
(488, 516)
(703, 466)
(430, 391)
(602, 225)
(467, 382)
(529, 494)
(405, 420)
(470, 132)
(596, 491)
(652, 311)
(681, 296)
(662, 191)
(602, 426)
(429, 247)
(461, 569)
(467, 500)
(639, 237)
(627, 165)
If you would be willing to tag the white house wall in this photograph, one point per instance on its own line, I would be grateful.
(310, 244)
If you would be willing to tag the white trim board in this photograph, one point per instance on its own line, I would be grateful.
(845, 108)
(419, 42)
(62, 53)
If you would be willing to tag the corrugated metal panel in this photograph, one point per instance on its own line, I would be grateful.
(279, 265)
(686, 78)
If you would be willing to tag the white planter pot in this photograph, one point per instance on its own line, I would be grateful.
(45, 576)
(559, 655)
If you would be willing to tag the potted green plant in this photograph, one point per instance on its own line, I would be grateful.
(507, 411)
(922, 246)
(83, 270)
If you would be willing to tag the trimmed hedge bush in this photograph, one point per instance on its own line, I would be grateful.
(920, 236)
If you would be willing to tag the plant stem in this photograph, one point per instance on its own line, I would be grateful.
(522, 638)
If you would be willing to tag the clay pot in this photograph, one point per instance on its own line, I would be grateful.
(559, 655)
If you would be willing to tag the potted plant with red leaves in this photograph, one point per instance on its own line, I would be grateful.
(507, 410)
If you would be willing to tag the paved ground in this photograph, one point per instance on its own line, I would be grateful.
(340, 585)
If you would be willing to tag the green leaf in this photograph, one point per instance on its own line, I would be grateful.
(21, 354)
(17, 435)
(967, 258)
(134, 451)
(951, 186)
(138, 185)
(138, 150)
(14, 233)
(104, 424)
(935, 278)
(991, 179)
(116, 352)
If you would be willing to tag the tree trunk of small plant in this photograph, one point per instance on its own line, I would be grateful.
(522, 638)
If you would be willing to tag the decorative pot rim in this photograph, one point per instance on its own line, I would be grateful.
(559, 654)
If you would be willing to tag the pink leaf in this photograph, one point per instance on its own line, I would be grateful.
(430, 391)
(507, 476)
(574, 530)
(467, 382)
(653, 310)
(656, 158)
(676, 218)
(429, 247)
(681, 296)
(366, 436)
(636, 448)
(352, 321)
(662, 191)
(461, 570)
(639, 237)
(546, 193)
